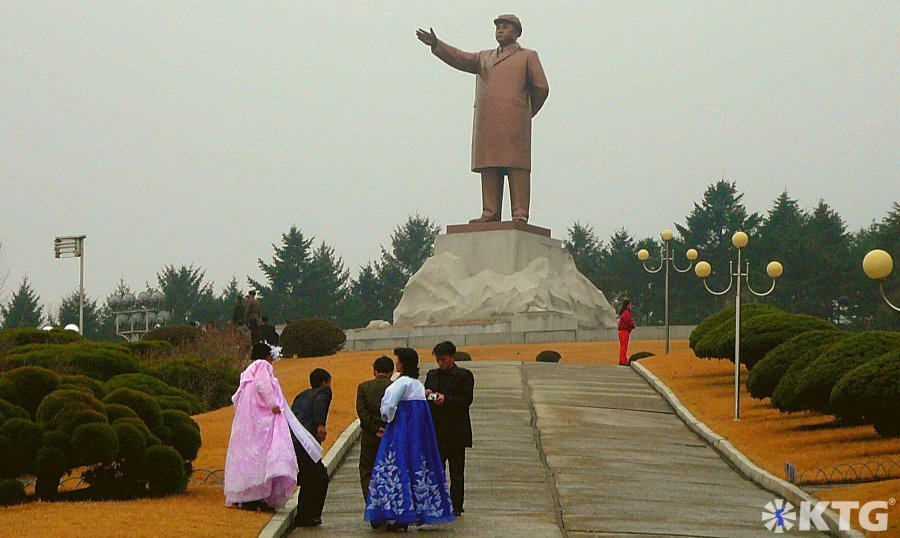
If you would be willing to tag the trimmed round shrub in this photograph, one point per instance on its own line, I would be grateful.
(165, 471)
(461, 356)
(311, 337)
(168, 397)
(149, 347)
(140, 402)
(116, 411)
(27, 386)
(141, 382)
(711, 322)
(766, 374)
(11, 492)
(132, 442)
(94, 359)
(174, 334)
(13, 338)
(9, 410)
(871, 391)
(94, 443)
(640, 355)
(785, 397)
(50, 461)
(58, 440)
(162, 432)
(548, 355)
(66, 421)
(714, 337)
(65, 410)
(149, 438)
(209, 384)
(20, 439)
(174, 402)
(818, 379)
(83, 382)
(185, 436)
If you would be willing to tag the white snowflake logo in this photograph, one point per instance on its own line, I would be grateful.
(778, 516)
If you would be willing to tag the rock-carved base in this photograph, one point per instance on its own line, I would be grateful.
(501, 274)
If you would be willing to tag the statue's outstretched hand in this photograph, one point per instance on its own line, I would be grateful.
(427, 37)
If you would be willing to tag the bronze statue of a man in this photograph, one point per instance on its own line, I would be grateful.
(510, 89)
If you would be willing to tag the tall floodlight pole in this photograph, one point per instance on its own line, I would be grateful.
(667, 257)
(72, 246)
(703, 269)
(878, 265)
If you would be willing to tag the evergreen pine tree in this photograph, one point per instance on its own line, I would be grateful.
(93, 322)
(282, 296)
(780, 237)
(23, 309)
(187, 297)
(586, 250)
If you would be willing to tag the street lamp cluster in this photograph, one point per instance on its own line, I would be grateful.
(137, 315)
(703, 270)
(666, 258)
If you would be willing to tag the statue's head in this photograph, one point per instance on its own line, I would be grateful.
(509, 28)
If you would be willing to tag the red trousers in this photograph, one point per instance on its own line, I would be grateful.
(623, 346)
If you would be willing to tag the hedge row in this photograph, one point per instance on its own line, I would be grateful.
(855, 377)
(134, 443)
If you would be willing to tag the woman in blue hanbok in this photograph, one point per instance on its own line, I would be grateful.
(408, 485)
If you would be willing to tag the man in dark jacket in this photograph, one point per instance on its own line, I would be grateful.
(453, 388)
(368, 408)
(237, 314)
(267, 333)
(311, 409)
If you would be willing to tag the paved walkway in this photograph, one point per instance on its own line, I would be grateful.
(570, 450)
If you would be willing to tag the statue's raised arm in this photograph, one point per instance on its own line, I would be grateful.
(510, 89)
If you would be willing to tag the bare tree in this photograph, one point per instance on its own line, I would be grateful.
(4, 271)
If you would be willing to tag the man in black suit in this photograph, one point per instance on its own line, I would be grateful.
(453, 389)
(368, 408)
(311, 409)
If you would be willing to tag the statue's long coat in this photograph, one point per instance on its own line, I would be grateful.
(510, 89)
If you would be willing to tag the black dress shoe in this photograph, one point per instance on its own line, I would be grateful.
(314, 522)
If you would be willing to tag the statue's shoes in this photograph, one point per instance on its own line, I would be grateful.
(484, 219)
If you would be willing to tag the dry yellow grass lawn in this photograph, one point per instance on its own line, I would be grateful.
(766, 436)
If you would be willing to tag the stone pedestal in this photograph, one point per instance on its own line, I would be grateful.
(502, 271)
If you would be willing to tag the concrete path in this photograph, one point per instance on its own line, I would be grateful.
(570, 450)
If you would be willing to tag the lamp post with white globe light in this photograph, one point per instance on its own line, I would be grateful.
(878, 265)
(667, 258)
(703, 270)
(137, 315)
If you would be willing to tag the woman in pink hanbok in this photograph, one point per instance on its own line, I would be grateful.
(261, 467)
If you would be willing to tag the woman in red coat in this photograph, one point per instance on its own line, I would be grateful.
(625, 326)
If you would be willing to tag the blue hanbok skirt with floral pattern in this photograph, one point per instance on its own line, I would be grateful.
(408, 485)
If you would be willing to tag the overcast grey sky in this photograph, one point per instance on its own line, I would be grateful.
(196, 133)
